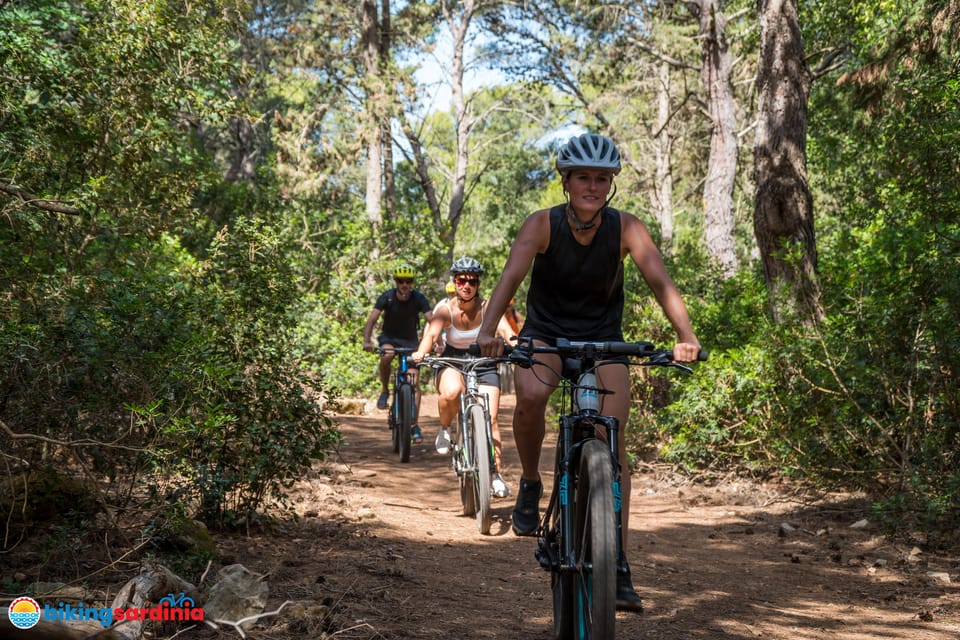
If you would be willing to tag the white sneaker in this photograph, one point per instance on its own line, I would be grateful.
(443, 441)
(500, 488)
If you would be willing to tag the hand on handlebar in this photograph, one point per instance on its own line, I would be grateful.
(368, 345)
(418, 356)
(686, 352)
(490, 346)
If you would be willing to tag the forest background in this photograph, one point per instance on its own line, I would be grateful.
(200, 201)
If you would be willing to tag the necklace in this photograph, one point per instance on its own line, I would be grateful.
(583, 226)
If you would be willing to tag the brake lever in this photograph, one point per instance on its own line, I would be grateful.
(520, 357)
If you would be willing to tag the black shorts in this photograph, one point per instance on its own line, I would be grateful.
(401, 344)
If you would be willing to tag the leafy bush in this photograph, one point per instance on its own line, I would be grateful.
(248, 416)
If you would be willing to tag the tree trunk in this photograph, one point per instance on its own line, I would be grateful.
(783, 206)
(664, 180)
(459, 25)
(722, 164)
(372, 130)
(386, 135)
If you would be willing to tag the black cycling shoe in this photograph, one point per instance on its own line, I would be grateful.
(526, 512)
(627, 597)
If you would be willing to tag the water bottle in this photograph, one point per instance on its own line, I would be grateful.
(587, 398)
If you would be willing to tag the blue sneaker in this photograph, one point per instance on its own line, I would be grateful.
(415, 436)
(382, 400)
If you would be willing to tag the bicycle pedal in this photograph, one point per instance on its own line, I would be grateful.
(544, 557)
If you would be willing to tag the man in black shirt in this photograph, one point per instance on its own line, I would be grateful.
(400, 307)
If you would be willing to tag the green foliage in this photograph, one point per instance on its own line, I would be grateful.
(179, 333)
(253, 416)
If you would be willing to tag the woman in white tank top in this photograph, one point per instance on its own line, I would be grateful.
(460, 318)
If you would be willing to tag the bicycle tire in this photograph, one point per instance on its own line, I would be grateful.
(405, 406)
(468, 479)
(481, 458)
(594, 589)
(392, 421)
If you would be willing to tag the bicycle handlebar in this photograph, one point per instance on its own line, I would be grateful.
(461, 363)
(398, 350)
(522, 354)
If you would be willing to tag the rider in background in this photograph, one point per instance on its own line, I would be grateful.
(400, 307)
(576, 250)
(460, 317)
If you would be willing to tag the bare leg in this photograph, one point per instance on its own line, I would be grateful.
(528, 417)
(386, 362)
(449, 386)
(616, 378)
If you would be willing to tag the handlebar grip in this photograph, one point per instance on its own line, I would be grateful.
(701, 356)
(474, 349)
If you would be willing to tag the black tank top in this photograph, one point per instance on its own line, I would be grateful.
(576, 291)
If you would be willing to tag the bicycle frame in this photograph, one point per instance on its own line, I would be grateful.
(556, 545)
(575, 428)
(473, 467)
(403, 407)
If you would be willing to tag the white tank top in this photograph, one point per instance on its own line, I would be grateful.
(460, 339)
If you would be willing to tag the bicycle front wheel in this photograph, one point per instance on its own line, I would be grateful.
(594, 585)
(405, 409)
(481, 459)
(393, 420)
(466, 463)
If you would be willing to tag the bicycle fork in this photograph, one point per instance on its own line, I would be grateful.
(564, 558)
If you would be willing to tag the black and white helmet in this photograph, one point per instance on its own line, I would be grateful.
(588, 151)
(466, 264)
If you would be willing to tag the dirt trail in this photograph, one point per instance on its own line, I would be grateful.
(382, 551)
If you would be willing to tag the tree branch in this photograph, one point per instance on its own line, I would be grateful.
(52, 206)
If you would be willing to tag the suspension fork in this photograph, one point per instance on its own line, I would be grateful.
(612, 426)
(564, 482)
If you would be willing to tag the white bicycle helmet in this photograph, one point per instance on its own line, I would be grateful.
(588, 151)
(466, 264)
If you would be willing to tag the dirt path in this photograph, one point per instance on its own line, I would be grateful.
(381, 551)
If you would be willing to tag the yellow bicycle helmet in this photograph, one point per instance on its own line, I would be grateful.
(450, 288)
(403, 271)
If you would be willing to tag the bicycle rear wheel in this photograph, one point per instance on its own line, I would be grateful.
(594, 584)
(480, 452)
(405, 409)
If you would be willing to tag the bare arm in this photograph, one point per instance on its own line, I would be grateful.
(368, 329)
(533, 238)
(439, 318)
(636, 242)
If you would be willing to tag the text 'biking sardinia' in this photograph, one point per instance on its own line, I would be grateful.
(27, 612)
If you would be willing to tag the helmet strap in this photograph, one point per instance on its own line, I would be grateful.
(583, 226)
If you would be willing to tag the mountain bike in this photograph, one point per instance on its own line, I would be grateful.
(474, 460)
(401, 417)
(580, 540)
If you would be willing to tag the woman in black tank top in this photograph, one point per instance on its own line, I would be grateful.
(574, 252)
